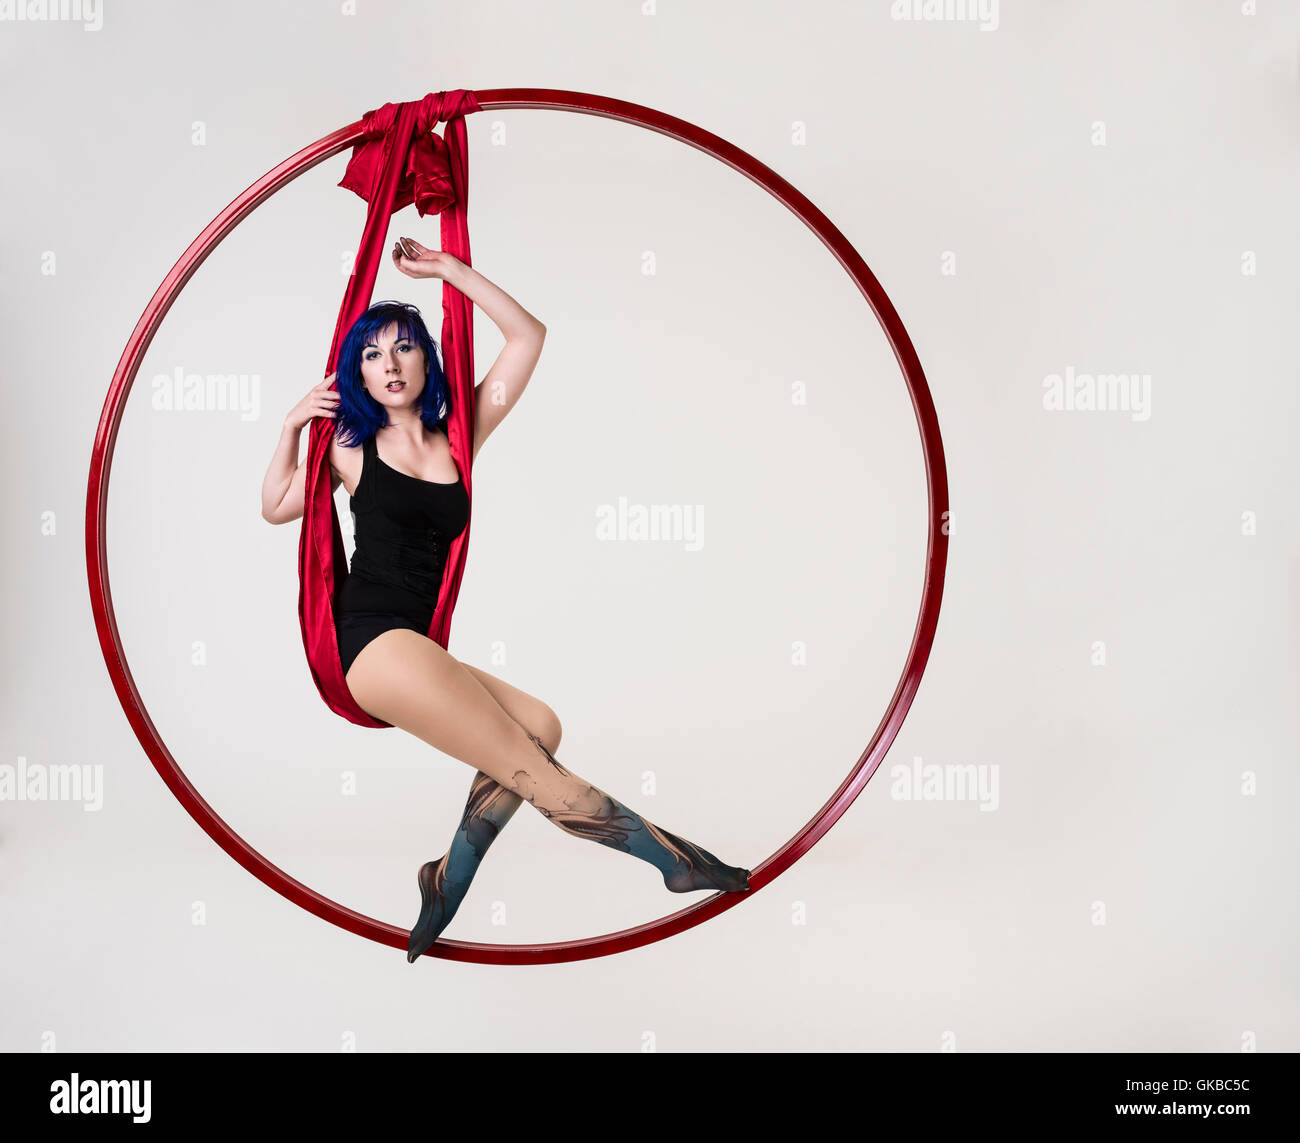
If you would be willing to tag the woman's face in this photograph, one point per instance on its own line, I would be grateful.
(393, 370)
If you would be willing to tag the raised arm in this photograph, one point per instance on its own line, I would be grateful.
(283, 487)
(505, 381)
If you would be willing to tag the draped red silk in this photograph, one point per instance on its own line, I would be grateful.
(399, 161)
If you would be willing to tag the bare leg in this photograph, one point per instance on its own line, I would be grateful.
(490, 805)
(407, 680)
(445, 882)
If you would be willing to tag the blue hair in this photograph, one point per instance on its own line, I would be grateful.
(360, 416)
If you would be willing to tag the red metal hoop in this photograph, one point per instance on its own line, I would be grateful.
(797, 846)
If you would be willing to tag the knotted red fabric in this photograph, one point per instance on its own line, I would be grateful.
(399, 162)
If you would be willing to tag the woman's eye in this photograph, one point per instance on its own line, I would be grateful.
(372, 354)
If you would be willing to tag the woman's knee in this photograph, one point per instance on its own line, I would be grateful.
(544, 724)
(531, 713)
(411, 682)
(550, 729)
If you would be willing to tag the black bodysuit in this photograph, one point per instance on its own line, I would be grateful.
(403, 529)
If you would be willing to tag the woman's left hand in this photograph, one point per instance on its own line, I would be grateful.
(416, 261)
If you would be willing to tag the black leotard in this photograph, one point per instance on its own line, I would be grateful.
(403, 528)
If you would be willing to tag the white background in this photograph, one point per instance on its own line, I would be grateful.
(1095, 173)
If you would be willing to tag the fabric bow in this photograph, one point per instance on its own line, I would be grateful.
(426, 177)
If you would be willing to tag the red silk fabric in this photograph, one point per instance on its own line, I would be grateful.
(399, 162)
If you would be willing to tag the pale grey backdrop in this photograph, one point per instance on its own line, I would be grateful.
(1100, 188)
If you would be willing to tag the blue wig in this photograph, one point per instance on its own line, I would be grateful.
(360, 416)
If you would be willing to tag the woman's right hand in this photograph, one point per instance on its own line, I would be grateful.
(321, 401)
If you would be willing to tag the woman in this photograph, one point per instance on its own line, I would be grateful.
(389, 450)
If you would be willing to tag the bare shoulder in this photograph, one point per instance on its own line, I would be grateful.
(345, 465)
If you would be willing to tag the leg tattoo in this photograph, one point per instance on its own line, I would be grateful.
(590, 813)
(444, 883)
(578, 808)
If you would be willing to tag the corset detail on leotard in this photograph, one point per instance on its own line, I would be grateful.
(415, 567)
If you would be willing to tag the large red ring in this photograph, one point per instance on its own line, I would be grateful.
(797, 846)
